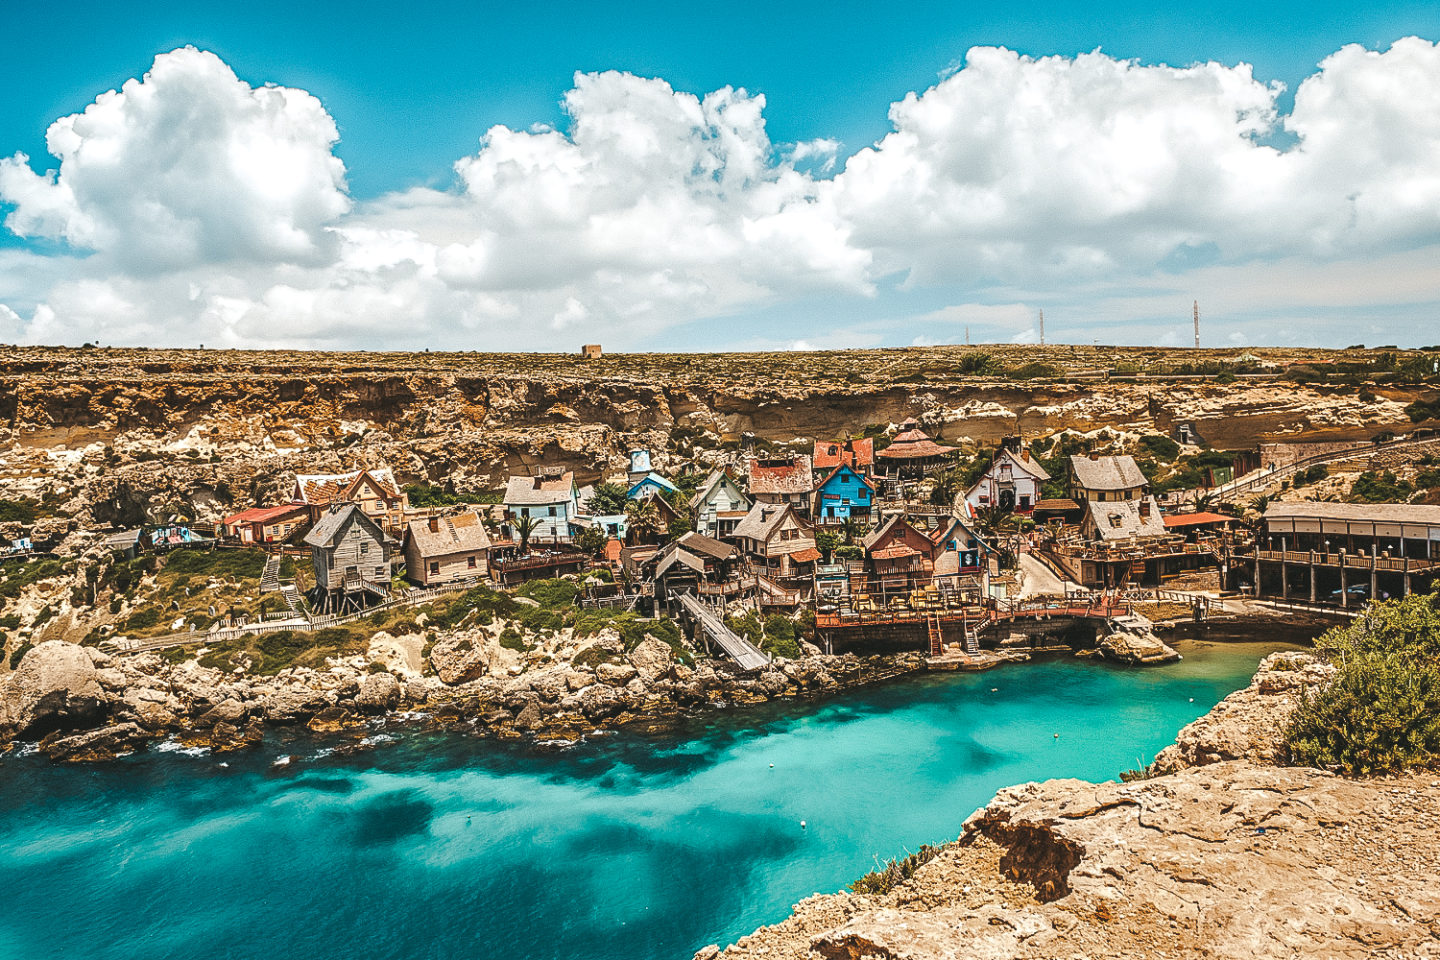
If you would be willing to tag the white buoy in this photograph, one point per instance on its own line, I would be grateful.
(1192, 699)
(772, 766)
(1057, 736)
(802, 824)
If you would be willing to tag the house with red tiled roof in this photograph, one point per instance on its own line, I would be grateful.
(266, 524)
(788, 480)
(373, 490)
(858, 455)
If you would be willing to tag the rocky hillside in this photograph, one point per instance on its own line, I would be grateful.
(1228, 855)
(108, 436)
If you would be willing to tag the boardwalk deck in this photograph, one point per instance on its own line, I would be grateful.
(742, 651)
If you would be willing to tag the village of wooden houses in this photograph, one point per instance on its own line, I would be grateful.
(887, 542)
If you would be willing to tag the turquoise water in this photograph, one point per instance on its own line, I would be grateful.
(434, 845)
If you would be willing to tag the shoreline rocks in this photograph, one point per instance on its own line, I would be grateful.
(94, 706)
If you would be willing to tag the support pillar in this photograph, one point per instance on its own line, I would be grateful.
(1344, 596)
(1284, 581)
(1312, 577)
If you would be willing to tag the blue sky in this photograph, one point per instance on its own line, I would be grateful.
(409, 97)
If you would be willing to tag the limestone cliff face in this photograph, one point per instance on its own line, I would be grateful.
(1228, 858)
(227, 426)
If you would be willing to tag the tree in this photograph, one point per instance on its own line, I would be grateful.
(827, 541)
(643, 520)
(525, 526)
(592, 540)
(948, 486)
(609, 499)
(850, 528)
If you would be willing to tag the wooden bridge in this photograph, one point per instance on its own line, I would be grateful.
(742, 651)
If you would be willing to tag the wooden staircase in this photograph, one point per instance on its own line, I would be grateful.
(270, 577)
(937, 640)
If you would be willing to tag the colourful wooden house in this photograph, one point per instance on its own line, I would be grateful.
(551, 498)
(899, 555)
(650, 485)
(859, 454)
(1013, 482)
(778, 542)
(373, 490)
(845, 493)
(445, 549)
(719, 505)
(787, 480)
(266, 524)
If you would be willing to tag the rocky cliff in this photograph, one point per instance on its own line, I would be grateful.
(120, 432)
(1227, 855)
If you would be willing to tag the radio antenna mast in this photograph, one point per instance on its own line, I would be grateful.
(1197, 324)
(1042, 328)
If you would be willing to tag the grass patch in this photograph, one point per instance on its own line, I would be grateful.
(892, 873)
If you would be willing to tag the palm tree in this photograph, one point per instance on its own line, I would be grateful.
(948, 486)
(643, 520)
(850, 528)
(525, 526)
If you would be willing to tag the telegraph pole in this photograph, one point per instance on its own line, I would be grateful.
(1042, 328)
(1197, 324)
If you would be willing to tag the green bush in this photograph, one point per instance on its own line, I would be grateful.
(1160, 447)
(1382, 712)
(550, 594)
(19, 654)
(511, 639)
(142, 619)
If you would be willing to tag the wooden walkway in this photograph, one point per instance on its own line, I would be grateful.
(742, 651)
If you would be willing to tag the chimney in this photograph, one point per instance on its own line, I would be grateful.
(1144, 508)
(1025, 454)
(434, 524)
(1094, 455)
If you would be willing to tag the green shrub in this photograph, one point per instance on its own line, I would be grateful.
(142, 619)
(1160, 447)
(45, 615)
(10, 621)
(592, 657)
(243, 564)
(19, 654)
(550, 594)
(1382, 712)
(511, 639)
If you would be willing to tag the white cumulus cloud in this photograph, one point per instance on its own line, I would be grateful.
(195, 207)
(187, 165)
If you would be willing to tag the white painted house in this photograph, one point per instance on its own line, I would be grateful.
(552, 498)
(1012, 482)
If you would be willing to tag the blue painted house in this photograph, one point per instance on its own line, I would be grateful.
(649, 485)
(844, 493)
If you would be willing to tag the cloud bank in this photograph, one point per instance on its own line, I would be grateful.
(189, 206)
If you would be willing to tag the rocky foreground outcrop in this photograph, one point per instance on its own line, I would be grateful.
(1231, 858)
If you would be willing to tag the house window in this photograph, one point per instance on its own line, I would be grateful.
(434, 566)
(364, 547)
(470, 562)
(552, 511)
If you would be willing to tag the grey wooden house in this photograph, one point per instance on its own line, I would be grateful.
(351, 557)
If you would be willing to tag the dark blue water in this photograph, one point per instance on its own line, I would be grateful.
(436, 845)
